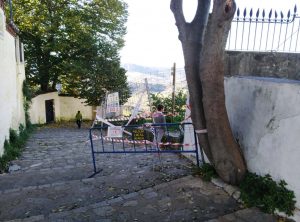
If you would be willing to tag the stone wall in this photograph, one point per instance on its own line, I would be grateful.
(263, 64)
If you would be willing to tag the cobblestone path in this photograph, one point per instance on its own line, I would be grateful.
(53, 184)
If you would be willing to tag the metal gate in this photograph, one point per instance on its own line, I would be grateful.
(143, 139)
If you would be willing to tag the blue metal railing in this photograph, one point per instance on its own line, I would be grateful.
(143, 139)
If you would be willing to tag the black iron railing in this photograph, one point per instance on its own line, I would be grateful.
(264, 31)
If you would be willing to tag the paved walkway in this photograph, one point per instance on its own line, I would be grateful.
(53, 185)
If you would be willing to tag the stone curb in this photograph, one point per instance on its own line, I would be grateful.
(296, 216)
(235, 193)
(232, 191)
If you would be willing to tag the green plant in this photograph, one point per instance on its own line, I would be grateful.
(180, 105)
(206, 171)
(27, 95)
(13, 147)
(264, 193)
(13, 136)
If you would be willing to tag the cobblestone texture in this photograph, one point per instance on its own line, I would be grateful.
(54, 185)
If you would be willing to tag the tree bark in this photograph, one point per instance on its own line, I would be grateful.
(204, 65)
(227, 156)
(191, 36)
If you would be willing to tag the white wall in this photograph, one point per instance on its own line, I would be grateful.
(70, 105)
(65, 108)
(11, 96)
(37, 111)
(265, 117)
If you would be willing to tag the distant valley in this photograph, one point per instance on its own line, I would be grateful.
(158, 78)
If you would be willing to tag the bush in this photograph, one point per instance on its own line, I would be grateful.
(27, 96)
(13, 136)
(180, 105)
(259, 191)
(4, 159)
(266, 194)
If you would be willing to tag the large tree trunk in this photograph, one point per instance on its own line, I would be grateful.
(205, 77)
(191, 36)
(227, 156)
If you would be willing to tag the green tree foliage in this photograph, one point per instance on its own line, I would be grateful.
(180, 103)
(75, 43)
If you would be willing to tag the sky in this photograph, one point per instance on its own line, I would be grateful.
(152, 37)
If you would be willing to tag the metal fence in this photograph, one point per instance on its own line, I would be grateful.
(263, 30)
(141, 139)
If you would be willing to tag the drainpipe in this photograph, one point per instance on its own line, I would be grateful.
(11, 20)
(11, 11)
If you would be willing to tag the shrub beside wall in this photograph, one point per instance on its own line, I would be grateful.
(263, 192)
(14, 146)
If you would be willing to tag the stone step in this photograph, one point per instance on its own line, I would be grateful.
(31, 164)
(110, 165)
(51, 197)
(42, 177)
(246, 215)
(53, 185)
(183, 199)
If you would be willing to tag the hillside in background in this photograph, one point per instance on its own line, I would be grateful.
(144, 69)
(158, 78)
(159, 81)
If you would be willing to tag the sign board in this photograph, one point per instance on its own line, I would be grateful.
(135, 110)
(115, 131)
(112, 103)
(138, 134)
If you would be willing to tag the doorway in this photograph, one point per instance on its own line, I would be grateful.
(49, 105)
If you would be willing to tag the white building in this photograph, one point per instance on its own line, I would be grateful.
(12, 74)
(50, 107)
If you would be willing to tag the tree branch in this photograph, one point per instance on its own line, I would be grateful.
(202, 12)
(176, 8)
(224, 9)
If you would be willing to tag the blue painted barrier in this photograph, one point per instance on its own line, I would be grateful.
(142, 139)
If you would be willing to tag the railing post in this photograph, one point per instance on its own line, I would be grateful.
(93, 154)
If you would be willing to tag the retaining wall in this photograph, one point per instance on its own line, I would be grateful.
(265, 118)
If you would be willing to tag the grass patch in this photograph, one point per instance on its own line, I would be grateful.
(206, 172)
(65, 124)
(14, 146)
